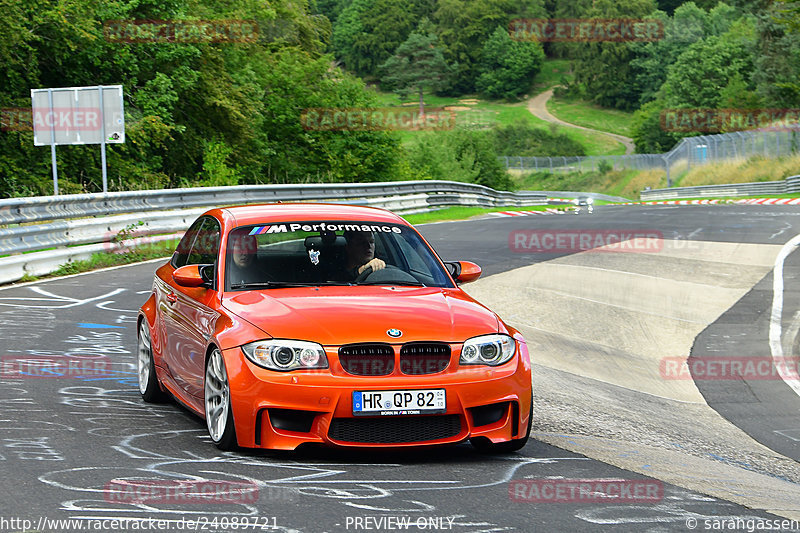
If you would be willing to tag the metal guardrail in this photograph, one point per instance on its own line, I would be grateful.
(94, 220)
(43, 208)
(788, 186)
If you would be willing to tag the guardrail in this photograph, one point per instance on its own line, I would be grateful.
(787, 186)
(79, 225)
(42, 208)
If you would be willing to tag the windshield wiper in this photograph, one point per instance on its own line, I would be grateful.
(402, 283)
(284, 284)
(268, 285)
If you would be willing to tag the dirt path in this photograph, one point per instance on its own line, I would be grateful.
(538, 106)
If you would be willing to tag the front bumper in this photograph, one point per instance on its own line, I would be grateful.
(282, 410)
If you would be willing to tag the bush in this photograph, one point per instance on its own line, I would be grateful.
(523, 139)
(460, 155)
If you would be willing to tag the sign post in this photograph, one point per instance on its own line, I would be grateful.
(78, 115)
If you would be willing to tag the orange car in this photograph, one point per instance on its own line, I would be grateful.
(289, 324)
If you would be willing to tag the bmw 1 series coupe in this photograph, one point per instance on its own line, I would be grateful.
(289, 324)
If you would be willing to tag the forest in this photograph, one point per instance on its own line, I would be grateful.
(210, 112)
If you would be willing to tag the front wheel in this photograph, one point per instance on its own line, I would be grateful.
(219, 415)
(148, 382)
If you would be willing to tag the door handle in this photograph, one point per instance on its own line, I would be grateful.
(172, 297)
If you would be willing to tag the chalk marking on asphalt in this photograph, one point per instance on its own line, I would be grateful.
(775, 344)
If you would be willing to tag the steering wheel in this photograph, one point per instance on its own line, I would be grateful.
(364, 275)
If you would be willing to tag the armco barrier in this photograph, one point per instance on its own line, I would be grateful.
(787, 186)
(93, 220)
(43, 208)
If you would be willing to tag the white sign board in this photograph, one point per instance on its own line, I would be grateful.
(78, 115)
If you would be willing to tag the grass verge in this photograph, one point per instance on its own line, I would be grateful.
(473, 111)
(97, 261)
(589, 115)
(462, 213)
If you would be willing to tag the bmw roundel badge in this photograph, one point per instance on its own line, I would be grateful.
(394, 333)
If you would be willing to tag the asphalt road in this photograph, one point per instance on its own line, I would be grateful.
(67, 439)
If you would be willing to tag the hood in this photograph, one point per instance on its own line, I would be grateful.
(343, 315)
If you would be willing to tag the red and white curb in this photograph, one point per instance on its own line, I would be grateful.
(526, 213)
(678, 202)
(769, 201)
(746, 201)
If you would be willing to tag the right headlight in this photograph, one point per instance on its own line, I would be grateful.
(286, 354)
(492, 350)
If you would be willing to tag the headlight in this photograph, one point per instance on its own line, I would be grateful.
(283, 355)
(492, 350)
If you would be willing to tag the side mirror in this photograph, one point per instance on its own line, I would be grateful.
(193, 276)
(464, 271)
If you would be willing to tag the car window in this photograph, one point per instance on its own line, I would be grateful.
(324, 253)
(206, 245)
(185, 245)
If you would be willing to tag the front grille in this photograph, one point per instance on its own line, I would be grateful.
(417, 358)
(395, 429)
(367, 359)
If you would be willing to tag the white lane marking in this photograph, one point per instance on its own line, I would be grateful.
(775, 345)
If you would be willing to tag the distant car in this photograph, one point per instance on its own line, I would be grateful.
(289, 324)
(582, 202)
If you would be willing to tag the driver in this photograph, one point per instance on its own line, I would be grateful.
(360, 253)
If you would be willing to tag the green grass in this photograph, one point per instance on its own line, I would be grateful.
(495, 112)
(463, 212)
(729, 198)
(589, 115)
(104, 260)
(612, 183)
(554, 72)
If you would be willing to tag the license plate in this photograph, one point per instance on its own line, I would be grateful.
(399, 402)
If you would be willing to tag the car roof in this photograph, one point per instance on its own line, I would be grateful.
(291, 212)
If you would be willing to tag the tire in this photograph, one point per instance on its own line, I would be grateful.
(484, 445)
(217, 402)
(148, 381)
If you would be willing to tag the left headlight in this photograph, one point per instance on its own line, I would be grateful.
(492, 350)
(284, 355)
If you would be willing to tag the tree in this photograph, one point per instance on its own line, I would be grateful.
(348, 37)
(522, 139)
(417, 64)
(687, 25)
(604, 68)
(464, 26)
(704, 69)
(647, 133)
(777, 61)
(507, 67)
(461, 155)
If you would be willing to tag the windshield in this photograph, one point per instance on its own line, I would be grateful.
(312, 253)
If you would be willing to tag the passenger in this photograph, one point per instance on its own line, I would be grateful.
(243, 249)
